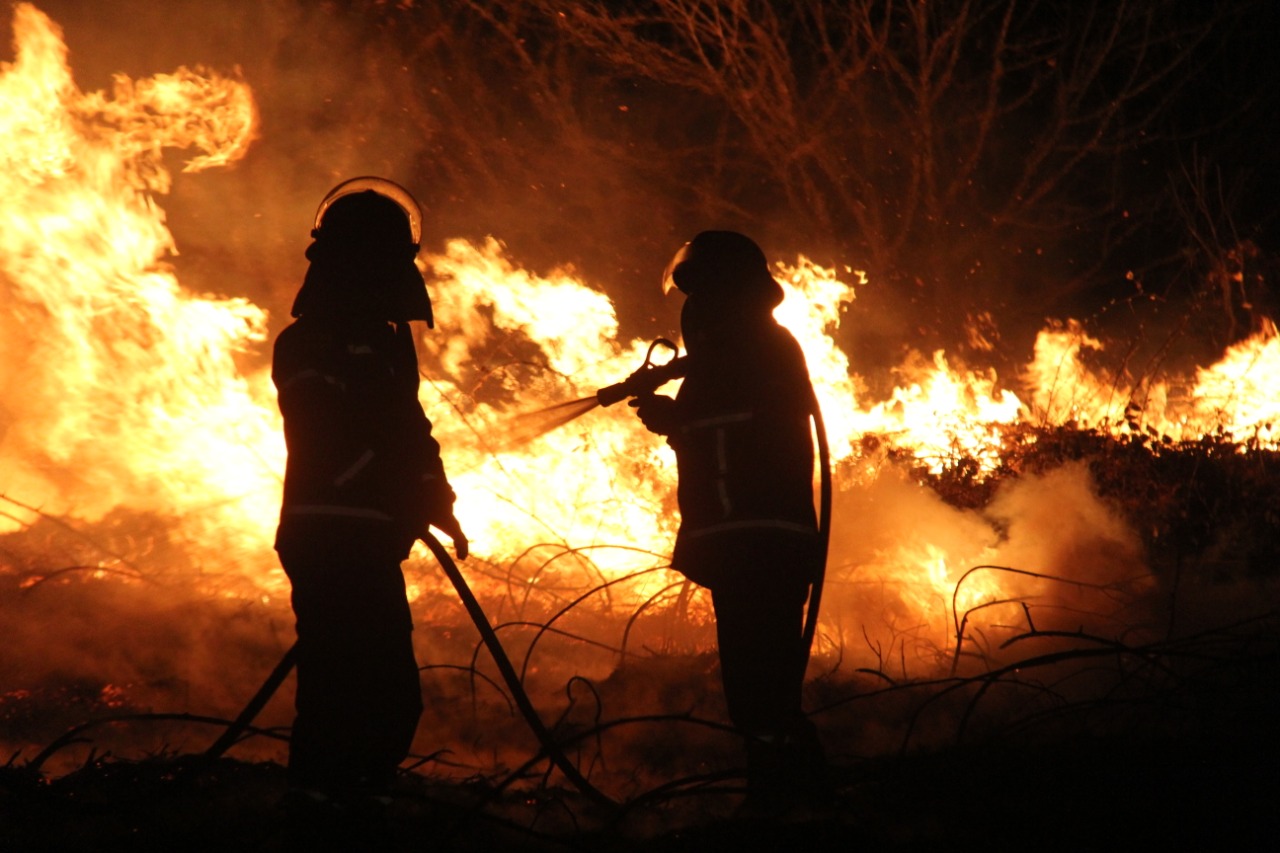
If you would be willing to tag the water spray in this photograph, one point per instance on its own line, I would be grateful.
(647, 379)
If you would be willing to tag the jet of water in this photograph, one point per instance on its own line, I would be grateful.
(530, 425)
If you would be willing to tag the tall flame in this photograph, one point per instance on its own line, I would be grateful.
(123, 389)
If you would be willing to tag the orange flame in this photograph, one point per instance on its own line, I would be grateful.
(124, 389)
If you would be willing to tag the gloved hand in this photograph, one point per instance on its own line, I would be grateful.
(450, 527)
(657, 412)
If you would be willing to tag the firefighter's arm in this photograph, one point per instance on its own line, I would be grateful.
(439, 505)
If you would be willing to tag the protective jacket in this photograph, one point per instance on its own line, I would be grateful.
(361, 455)
(745, 455)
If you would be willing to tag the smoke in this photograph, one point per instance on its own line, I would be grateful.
(900, 553)
(1056, 524)
(87, 640)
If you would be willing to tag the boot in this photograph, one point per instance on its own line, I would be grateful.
(786, 776)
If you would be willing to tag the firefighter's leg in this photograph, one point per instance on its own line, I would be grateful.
(758, 631)
(358, 697)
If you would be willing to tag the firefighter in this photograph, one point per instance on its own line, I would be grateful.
(740, 429)
(363, 480)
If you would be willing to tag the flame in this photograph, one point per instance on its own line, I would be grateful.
(1237, 393)
(562, 490)
(123, 388)
(944, 415)
(125, 391)
(1232, 397)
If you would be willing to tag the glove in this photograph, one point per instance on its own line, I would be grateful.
(657, 412)
(449, 527)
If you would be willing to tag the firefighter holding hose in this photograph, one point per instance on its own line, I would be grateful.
(363, 480)
(740, 428)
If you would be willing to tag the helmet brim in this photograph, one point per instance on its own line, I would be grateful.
(669, 274)
(381, 186)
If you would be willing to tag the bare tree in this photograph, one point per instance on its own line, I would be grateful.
(910, 119)
(956, 148)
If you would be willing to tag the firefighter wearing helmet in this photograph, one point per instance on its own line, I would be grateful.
(363, 479)
(740, 429)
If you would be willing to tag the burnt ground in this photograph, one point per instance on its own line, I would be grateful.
(1213, 785)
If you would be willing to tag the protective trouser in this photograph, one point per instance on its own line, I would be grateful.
(358, 696)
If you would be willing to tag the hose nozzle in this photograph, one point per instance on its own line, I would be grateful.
(648, 378)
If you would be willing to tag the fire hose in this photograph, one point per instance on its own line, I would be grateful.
(549, 746)
(245, 719)
(824, 534)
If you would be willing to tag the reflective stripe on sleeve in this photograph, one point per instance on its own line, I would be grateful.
(356, 467)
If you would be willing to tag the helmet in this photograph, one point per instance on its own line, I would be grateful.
(379, 188)
(725, 266)
(366, 236)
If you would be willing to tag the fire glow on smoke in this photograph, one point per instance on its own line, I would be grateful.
(123, 390)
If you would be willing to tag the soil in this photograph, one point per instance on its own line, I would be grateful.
(1212, 787)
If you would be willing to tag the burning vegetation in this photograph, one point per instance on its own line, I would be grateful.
(1077, 545)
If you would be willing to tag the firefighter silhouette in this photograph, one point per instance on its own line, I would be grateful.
(739, 426)
(363, 480)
